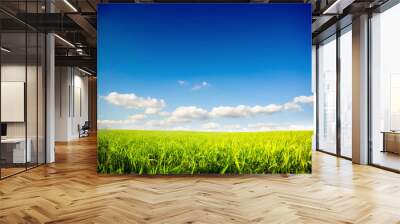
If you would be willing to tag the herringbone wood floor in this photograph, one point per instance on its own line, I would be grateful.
(70, 191)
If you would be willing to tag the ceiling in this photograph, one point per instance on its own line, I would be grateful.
(74, 21)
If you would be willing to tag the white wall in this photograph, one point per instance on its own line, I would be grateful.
(14, 72)
(62, 82)
(17, 73)
(80, 109)
(13, 100)
(33, 127)
(71, 102)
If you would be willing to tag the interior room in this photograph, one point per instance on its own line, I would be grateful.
(25, 64)
(22, 103)
(49, 170)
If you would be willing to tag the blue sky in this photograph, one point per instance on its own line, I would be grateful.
(219, 67)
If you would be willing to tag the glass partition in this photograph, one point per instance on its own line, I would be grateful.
(327, 95)
(23, 91)
(14, 153)
(41, 109)
(346, 92)
(385, 89)
(31, 97)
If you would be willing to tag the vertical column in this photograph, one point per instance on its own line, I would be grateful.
(314, 91)
(50, 98)
(316, 99)
(92, 103)
(360, 90)
(50, 91)
(338, 91)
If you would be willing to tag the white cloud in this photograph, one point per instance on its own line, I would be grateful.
(132, 119)
(263, 127)
(292, 106)
(157, 123)
(113, 122)
(156, 111)
(200, 86)
(210, 125)
(187, 114)
(269, 109)
(296, 104)
(131, 101)
(247, 111)
(137, 117)
(181, 128)
(164, 113)
(244, 111)
(226, 111)
(231, 128)
(276, 127)
(181, 82)
(152, 111)
(181, 115)
(304, 99)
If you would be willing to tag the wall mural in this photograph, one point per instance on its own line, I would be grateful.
(204, 88)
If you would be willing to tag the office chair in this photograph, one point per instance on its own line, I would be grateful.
(84, 130)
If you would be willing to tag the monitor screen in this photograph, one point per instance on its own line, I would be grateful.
(3, 129)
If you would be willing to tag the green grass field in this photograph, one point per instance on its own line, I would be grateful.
(184, 152)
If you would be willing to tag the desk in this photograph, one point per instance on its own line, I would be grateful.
(391, 141)
(19, 155)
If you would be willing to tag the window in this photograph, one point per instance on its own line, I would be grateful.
(346, 92)
(327, 95)
(385, 89)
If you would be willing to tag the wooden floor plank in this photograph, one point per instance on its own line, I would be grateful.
(70, 191)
